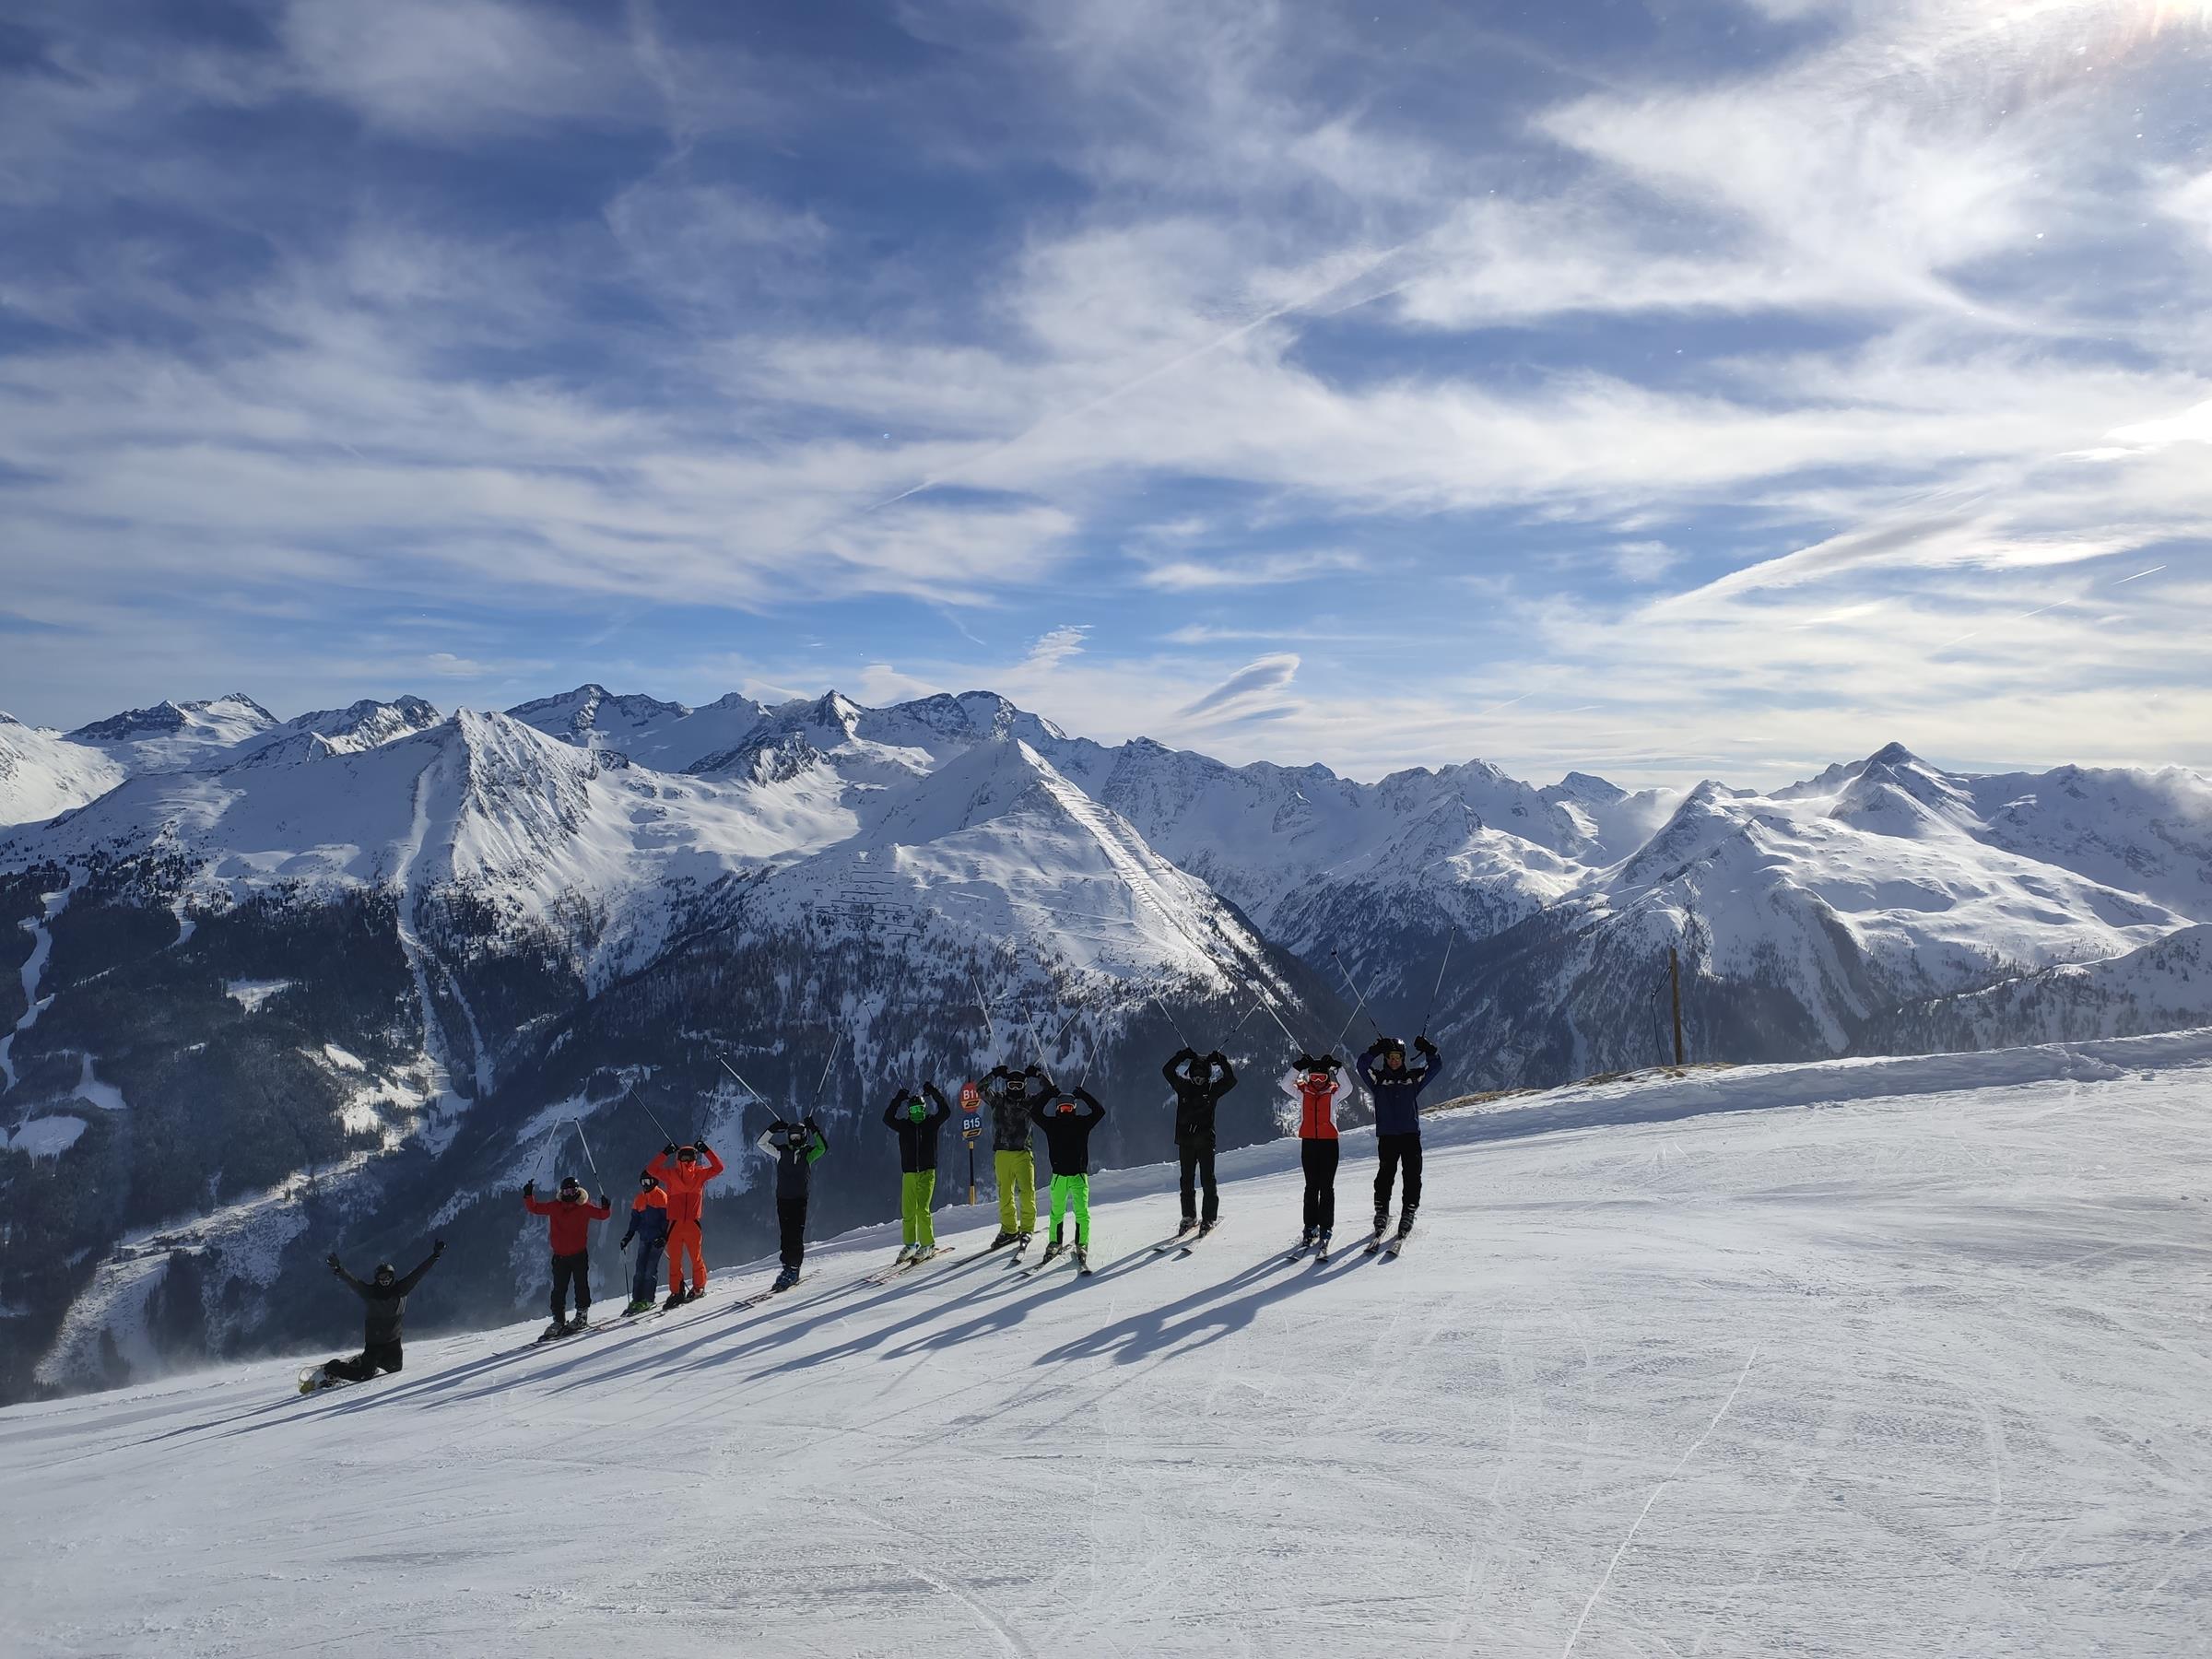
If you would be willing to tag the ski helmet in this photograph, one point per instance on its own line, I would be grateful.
(385, 1270)
(684, 1154)
(647, 1179)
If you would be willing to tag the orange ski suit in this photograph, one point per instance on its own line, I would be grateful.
(685, 1184)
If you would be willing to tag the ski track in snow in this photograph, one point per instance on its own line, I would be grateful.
(1898, 1364)
(34, 972)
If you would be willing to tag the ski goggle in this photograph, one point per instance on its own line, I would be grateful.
(1319, 1079)
(684, 1155)
(1067, 1106)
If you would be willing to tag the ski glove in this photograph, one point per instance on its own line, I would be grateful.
(335, 1265)
(624, 1246)
(529, 1187)
(437, 1248)
(1425, 1046)
(668, 1151)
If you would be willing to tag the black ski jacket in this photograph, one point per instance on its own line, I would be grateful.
(1398, 1093)
(1008, 1095)
(917, 1142)
(387, 1304)
(796, 1147)
(1067, 1134)
(1195, 1102)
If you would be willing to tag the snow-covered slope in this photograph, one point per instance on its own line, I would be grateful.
(1911, 1364)
(173, 736)
(43, 773)
(2163, 986)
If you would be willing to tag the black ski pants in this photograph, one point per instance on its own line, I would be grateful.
(1318, 1159)
(572, 1270)
(1392, 1150)
(791, 1221)
(1198, 1170)
(646, 1276)
(376, 1356)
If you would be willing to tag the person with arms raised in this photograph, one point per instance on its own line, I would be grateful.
(569, 1219)
(1067, 1118)
(685, 1171)
(385, 1296)
(796, 1147)
(915, 1115)
(1397, 1095)
(1314, 1087)
(1199, 1082)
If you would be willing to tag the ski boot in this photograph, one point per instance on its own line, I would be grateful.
(583, 1322)
(1004, 1239)
(1405, 1221)
(1321, 1246)
(553, 1332)
(1188, 1223)
(1207, 1227)
(674, 1298)
(786, 1279)
(1381, 1222)
(642, 1305)
(907, 1252)
(1050, 1250)
(1082, 1262)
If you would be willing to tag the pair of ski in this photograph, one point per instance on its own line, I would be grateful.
(1055, 1254)
(1386, 1245)
(1185, 1238)
(886, 1275)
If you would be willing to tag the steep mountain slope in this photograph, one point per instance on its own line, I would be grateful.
(43, 773)
(1911, 1364)
(173, 736)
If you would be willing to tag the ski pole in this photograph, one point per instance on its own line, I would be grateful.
(825, 1066)
(741, 1082)
(1163, 1009)
(1352, 1016)
(989, 1028)
(1450, 940)
(639, 1100)
(1280, 1025)
(577, 1124)
(1353, 986)
(545, 1151)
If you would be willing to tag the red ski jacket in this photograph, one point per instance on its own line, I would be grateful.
(568, 1225)
(1316, 1107)
(685, 1183)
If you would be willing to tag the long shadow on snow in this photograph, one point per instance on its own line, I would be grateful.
(1198, 1319)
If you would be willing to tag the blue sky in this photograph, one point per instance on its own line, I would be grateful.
(1663, 390)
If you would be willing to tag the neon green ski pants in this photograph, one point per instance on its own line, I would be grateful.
(1017, 1174)
(916, 1188)
(1072, 1192)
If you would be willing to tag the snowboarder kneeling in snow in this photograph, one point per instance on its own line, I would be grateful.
(1314, 1087)
(686, 1178)
(916, 1121)
(1067, 1117)
(569, 1230)
(1397, 1093)
(648, 1226)
(1199, 1082)
(386, 1296)
(796, 1147)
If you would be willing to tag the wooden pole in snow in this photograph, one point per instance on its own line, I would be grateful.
(1673, 975)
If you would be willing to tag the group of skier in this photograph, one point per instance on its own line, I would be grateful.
(665, 1212)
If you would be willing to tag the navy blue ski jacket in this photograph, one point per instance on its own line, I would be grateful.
(1397, 1093)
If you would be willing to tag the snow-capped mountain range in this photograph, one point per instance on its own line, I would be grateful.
(268, 983)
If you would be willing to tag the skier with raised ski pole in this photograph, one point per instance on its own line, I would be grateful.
(1396, 1090)
(384, 1296)
(1199, 1082)
(1314, 1086)
(1008, 1095)
(685, 1171)
(914, 1115)
(569, 1219)
(796, 1147)
(1067, 1118)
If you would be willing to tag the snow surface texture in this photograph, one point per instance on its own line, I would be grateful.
(1894, 1357)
